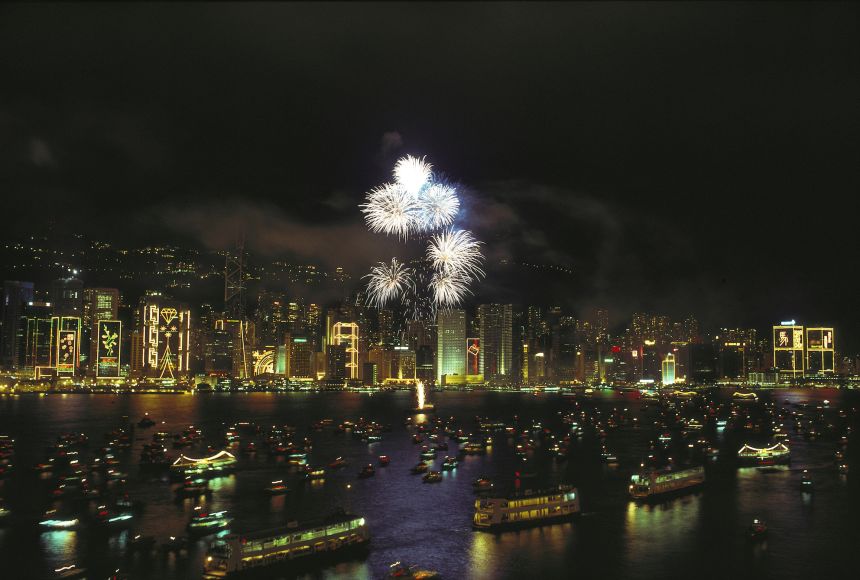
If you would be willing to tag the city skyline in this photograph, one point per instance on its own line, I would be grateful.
(685, 195)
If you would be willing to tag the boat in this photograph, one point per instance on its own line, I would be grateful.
(194, 487)
(384, 460)
(419, 468)
(262, 551)
(482, 484)
(367, 471)
(70, 571)
(757, 530)
(773, 455)
(432, 477)
(338, 463)
(528, 508)
(145, 422)
(216, 464)
(54, 521)
(208, 522)
(652, 483)
(277, 488)
(110, 517)
(450, 463)
(806, 482)
(314, 472)
(842, 468)
(744, 396)
(400, 570)
(4, 511)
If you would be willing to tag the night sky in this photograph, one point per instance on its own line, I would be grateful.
(680, 158)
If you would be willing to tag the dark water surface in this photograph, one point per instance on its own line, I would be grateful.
(694, 536)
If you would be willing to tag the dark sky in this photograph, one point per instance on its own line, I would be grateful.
(683, 157)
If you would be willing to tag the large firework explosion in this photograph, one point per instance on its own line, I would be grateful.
(419, 205)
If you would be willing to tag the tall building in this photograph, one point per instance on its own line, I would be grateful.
(35, 352)
(667, 375)
(67, 297)
(345, 334)
(98, 304)
(496, 340)
(240, 332)
(16, 295)
(165, 337)
(788, 349)
(820, 351)
(451, 344)
(300, 357)
(66, 345)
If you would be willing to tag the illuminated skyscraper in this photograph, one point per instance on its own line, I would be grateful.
(67, 297)
(66, 345)
(496, 340)
(165, 337)
(98, 304)
(16, 295)
(451, 343)
(820, 350)
(667, 376)
(36, 350)
(345, 334)
(788, 349)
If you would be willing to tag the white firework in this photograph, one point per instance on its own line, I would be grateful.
(391, 209)
(413, 173)
(439, 204)
(449, 288)
(387, 282)
(456, 252)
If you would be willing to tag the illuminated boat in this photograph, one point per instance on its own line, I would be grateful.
(367, 471)
(419, 468)
(757, 530)
(432, 477)
(221, 462)
(384, 460)
(338, 463)
(4, 511)
(482, 484)
(70, 571)
(314, 472)
(650, 484)
(400, 570)
(529, 508)
(450, 463)
(260, 553)
(277, 488)
(775, 454)
(744, 396)
(53, 521)
(208, 522)
(194, 487)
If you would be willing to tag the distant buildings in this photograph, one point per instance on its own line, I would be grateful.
(451, 346)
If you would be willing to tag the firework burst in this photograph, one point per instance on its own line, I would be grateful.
(418, 204)
(456, 252)
(387, 282)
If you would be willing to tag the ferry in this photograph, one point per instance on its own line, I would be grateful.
(258, 552)
(216, 464)
(278, 487)
(773, 455)
(650, 484)
(529, 508)
(208, 523)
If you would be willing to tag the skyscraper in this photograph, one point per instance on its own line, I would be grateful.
(496, 330)
(16, 295)
(165, 333)
(451, 344)
(98, 304)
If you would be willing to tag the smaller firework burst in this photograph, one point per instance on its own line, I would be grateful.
(387, 282)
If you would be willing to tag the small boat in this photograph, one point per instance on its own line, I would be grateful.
(314, 472)
(141, 543)
(145, 422)
(70, 571)
(843, 468)
(175, 544)
(53, 521)
(367, 471)
(482, 484)
(400, 570)
(208, 522)
(384, 460)
(419, 468)
(4, 511)
(450, 463)
(432, 477)
(806, 482)
(277, 488)
(194, 487)
(338, 463)
(757, 530)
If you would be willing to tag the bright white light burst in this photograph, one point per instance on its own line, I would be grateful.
(456, 252)
(449, 288)
(387, 281)
(391, 210)
(439, 205)
(412, 173)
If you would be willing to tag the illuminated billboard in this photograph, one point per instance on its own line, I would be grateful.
(65, 344)
(109, 333)
(166, 339)
(473, 356)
